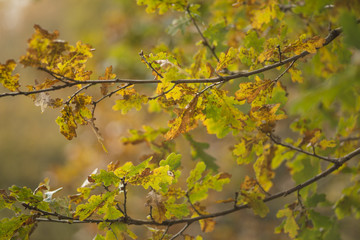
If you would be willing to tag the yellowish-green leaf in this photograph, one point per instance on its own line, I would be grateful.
(7, 79)
(290, 226)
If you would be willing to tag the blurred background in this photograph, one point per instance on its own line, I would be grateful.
(31, 147)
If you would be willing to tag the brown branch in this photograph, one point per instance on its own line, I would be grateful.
(131, 221)
(331, 36)
(313, 154)
(204, 40)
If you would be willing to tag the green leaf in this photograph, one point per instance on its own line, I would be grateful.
(105, 177)
(227, 58)
(173, 160)
(163, 5)
(99, 237)
(222, 114)
(195, 174)
(175, 209)
(109, 210)
(304, 168)
(315, 199)
(130, 101)
(351, 29)
(95, 202)
(253, 40)
(349, 203)
(289, 225)
(25, 194)
(200, 190)
(178, 24)
(197, 152)
(255, 201)
(10, 227)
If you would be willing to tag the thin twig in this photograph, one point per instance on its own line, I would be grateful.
(192, 205)
(262, 189)
(46, 213)
(165, 232)
(163, 93)
(181, 231)
(282, 74)
(77, 92)
(125, 197)
(57, 76)
(94, 103)
(278, 142)
(141, 53)
(131, 221)
(117, 205)
(204, 40)
(331, 36)
(349, 139)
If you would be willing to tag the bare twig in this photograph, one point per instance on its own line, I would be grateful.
(94, 103)
(149, 64)
(125, 198)
(262, 189)
(46, 213)
(349, 139)
(117, 205)
(77, 92)
(163, 93)
(313, 154)
(188, 221)
(192, 205)
(331, 36)
(204, 40)
(165, 232)
(285, 71)
(181, 231)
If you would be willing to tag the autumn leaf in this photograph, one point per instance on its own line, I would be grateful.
(207, 225)
(131, 99)
(185, 121)
(304, 44)
(158, 210)
(266, 116)
(249, 91)
(108, 75)
(227, 58)
(266, 14)
(7, 79)
(262, 167)
(67, 123)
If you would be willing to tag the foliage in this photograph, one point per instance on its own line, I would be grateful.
(207, 91)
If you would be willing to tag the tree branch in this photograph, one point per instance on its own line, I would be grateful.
(331, 36)
(131, 221)
(313, 154)
(204, 40)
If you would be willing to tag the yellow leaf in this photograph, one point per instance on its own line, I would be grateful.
(251, 90)
(296, 75)
(327, 144)
(207, 225)
(185, 121)
(8, 80)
